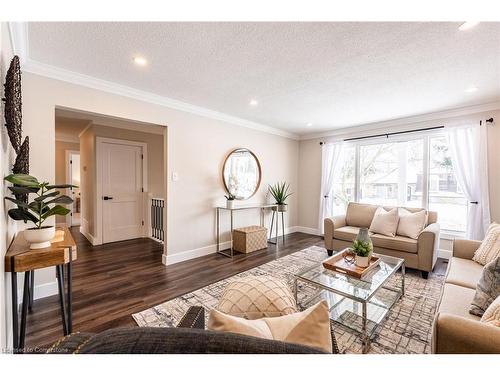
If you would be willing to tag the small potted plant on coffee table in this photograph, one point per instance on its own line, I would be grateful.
(363, 251)
(47, 203)
(280, 193)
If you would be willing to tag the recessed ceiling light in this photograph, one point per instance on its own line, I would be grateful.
(140, 61)
(254, 102)
(471, 89)
(467, 25)
(309, 124)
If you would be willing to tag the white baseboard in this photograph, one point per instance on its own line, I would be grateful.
(445, 254)
(88, 236)
(313, 231)
(41, 291)
(195, 253)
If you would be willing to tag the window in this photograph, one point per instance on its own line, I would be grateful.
(412, 172)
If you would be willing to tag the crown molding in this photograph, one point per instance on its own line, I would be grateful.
(18, 32)
(405, 123)
(35, 67)
(67, 138)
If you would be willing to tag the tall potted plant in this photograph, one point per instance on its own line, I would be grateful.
(280, 192)
(47, 203)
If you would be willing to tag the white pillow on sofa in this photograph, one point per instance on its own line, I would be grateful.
(411, 223)
(385, 222)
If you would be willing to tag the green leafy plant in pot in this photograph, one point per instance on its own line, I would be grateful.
(280, 192)
(363, 248)
(47, 203)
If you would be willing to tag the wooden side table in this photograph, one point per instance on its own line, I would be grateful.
(20, 258)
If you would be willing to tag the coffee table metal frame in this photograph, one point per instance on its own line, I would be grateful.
(396, 263)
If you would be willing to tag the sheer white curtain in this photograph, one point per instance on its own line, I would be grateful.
(330, 155)
(468, 149)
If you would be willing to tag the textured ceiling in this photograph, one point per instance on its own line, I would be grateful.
(329, 74)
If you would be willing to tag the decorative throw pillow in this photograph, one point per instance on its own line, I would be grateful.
(310, 327)
(385, 222)
(490, 247)
(257, 297)
(411, 223)
(488, 288)
(492, 313)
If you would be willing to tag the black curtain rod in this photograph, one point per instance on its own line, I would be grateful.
(490, 120)
(394, 133)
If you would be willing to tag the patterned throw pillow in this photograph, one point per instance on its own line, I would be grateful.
(255, 297)
(490, 247)
(492, 314)
(488, 288)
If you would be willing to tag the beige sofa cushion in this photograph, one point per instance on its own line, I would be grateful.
(492, 313)
(487, 289)
(490, 247)
(359, 214)
(400, 243)
(385, 222)
(411, 223)
(346, 233)
(464, 272)
(310, 327)
(456, 301)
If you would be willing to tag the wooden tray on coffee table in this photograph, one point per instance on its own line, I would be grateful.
(337, 263)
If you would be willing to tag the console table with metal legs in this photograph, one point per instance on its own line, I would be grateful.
(20, 258)
(229, 252)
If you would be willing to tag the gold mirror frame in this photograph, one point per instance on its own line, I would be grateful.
(258, 167)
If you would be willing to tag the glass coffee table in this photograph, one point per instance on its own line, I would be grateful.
(358, 304)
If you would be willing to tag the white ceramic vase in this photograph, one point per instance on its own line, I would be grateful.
(230, 204)
(363, 262)
(39, 238)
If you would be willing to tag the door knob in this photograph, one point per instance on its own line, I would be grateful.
(106, 198)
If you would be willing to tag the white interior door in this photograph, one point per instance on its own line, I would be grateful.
(74, 179)
(122, 201)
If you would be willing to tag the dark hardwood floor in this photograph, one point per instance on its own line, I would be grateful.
(113, 281)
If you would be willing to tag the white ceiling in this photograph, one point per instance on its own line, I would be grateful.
(330, 74)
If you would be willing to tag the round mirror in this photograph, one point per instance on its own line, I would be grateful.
(241, 173)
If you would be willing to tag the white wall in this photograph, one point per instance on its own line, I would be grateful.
(8, 227)
(197, 147)
(310, 165)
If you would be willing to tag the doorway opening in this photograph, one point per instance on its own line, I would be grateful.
(119, 167)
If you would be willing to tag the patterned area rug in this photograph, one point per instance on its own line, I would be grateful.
(406, 329)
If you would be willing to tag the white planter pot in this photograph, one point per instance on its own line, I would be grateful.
(39, 238)
(229, 204)
(362, 261)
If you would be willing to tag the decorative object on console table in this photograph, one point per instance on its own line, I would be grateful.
(249, 239)
(280, 193)
(38, 210)
(20, 258)
(229, 201)
(363, 248)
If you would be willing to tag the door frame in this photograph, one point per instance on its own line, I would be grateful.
(69, 181)
(100, 141)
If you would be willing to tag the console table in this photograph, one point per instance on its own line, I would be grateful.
(20, 258)
(262, 209)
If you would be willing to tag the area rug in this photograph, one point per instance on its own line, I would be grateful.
(406, 329)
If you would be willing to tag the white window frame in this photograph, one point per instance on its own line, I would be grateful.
(425, 137)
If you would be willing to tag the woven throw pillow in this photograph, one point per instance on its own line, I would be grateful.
(488, 288)
(492, 313)
(490, 247)
(310, 327)
(256, 297)
(385, 222)
(411, 223)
